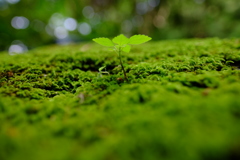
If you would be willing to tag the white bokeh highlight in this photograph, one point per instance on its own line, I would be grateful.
(70, 24)
(20, 22)
(17, 47)
(12, 1)
(60, 32)
(84, 28)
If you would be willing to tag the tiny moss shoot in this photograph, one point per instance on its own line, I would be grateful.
(122, 44)
(101, 72)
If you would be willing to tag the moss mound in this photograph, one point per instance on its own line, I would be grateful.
(182, 102)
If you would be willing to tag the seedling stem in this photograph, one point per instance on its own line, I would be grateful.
(120, 59)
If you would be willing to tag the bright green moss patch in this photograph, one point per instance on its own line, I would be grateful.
(181, 102)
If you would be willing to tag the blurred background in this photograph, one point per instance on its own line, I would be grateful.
(26, 24)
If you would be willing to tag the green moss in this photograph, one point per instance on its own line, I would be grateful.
(181, 102)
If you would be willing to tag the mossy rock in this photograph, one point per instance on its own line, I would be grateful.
(181, 102)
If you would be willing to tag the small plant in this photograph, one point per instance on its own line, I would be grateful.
(122, 44)
(101, 72)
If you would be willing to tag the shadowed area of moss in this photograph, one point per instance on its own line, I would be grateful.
(182, 102)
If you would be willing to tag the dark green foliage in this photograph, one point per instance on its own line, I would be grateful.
(181, 102)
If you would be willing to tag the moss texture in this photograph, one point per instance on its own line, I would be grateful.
(182, 102)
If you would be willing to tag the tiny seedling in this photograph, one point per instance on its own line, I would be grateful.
(122, 44)
(101, 72)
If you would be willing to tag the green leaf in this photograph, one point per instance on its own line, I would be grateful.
(126, 48)
(101, 68)
(121, 39)
(139, 39)
(104, 42)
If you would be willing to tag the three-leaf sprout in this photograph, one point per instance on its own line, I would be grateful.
(122, 44)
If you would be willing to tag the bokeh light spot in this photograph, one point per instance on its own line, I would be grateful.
(12, 1)
(3, 5)
(49, 30)
(88, 12)
(142, 8)
(95, 20)
(84, 28)
(60, 32)
(153, 3)
(17, 47)
(159, 21)
(56, 20)
(70, 24)
(20, 22)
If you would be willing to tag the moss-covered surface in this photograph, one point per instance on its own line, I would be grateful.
(182, 102)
